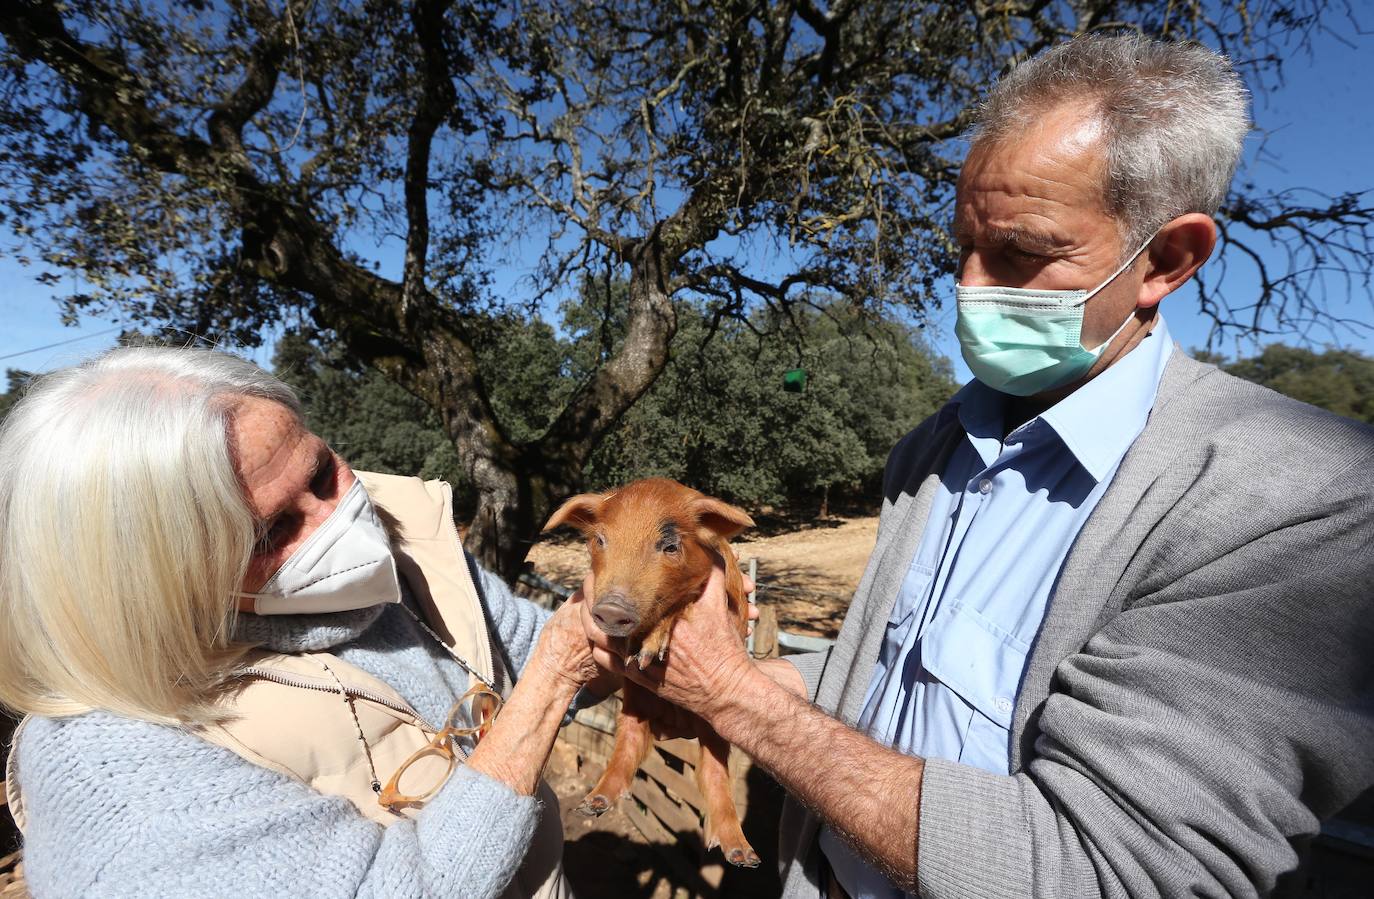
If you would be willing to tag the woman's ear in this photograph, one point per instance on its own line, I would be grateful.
(579, 512)
(721, 519)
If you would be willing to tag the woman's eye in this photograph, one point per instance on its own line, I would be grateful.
(274, 535)
(323, 484)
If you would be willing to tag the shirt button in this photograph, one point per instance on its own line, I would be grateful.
(1003, 704)
(985, 486)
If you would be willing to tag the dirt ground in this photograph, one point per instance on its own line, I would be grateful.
(808, 574)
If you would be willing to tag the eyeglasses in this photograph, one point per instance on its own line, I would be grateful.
(421, 775)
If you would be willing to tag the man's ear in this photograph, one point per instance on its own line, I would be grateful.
(721, 519)
(1176, 253)
(579, 512)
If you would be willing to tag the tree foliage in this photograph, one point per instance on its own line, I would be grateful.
(718, 418)
(358, 170)
(370, 421)
(15, 380)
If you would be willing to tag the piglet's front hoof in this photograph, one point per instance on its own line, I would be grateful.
(743, 858)
(595, 805)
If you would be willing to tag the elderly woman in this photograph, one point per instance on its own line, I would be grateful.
(248, 670)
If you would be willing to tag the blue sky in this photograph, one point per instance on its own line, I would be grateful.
(1317, 130)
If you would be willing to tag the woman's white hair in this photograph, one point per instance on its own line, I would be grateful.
(1173, 119)
(124, 534)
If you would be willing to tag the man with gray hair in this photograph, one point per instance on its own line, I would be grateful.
(1113, 639)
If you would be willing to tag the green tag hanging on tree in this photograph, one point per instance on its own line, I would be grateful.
(794, 380)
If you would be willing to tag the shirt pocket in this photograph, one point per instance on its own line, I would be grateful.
(981, 663)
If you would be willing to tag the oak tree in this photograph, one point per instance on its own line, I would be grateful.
(360, 170)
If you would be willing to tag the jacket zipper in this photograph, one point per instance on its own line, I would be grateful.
(496, 669)
(304, 683)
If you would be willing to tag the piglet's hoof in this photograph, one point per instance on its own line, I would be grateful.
(595, 805)
(742, 858)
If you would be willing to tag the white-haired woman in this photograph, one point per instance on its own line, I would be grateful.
(244, 672)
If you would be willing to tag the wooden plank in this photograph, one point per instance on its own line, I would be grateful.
(766, 634)
(672, 815)
(589, 743)
(647, 824)
(690, 880)
(681, 748)
(678, 784)
(601, 717)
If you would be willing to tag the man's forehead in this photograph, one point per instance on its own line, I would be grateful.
(1029, 188)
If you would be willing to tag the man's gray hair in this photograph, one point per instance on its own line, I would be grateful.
(1173, 118)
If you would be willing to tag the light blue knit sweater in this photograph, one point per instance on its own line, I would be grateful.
(118, 807)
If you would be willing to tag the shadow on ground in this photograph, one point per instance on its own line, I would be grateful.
(608, 858)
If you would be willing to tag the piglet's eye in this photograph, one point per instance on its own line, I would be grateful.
(600, 540)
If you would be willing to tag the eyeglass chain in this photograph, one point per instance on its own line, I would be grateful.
(348, 700)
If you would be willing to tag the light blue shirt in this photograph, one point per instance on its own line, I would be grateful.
(976, 592)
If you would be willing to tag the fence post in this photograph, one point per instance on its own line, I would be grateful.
(753, 598)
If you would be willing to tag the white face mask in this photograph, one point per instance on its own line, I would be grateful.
(346, 564)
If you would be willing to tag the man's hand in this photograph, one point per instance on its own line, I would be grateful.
(873, 800)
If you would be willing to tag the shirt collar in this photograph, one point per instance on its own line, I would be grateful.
(980, 410)
(1097, 423)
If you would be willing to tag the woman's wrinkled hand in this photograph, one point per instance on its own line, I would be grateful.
(564, 649)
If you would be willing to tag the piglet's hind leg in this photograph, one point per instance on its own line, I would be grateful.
(633, 740)
(722, 820)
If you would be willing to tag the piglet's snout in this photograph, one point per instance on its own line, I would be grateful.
(615, 615)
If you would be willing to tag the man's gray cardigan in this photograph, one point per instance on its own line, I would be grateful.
(1201, 693)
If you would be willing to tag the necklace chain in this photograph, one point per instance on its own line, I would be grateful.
(367, 750)
(449, 649)
(348, 700)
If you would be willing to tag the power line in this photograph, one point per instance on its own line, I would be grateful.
(61, 343)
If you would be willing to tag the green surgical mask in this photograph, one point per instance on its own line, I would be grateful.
(1023, 341)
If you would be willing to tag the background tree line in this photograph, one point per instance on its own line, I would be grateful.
(359, 173)
(718, 417)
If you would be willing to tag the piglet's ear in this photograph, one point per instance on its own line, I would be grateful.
(579, 512)
(721, 519)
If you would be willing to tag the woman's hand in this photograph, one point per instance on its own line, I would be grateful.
(564, 650)
(516, 748)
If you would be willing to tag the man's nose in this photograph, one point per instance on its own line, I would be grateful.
(973, 271)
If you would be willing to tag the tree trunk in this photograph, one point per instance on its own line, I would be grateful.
(519, 487)
(512, 506)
